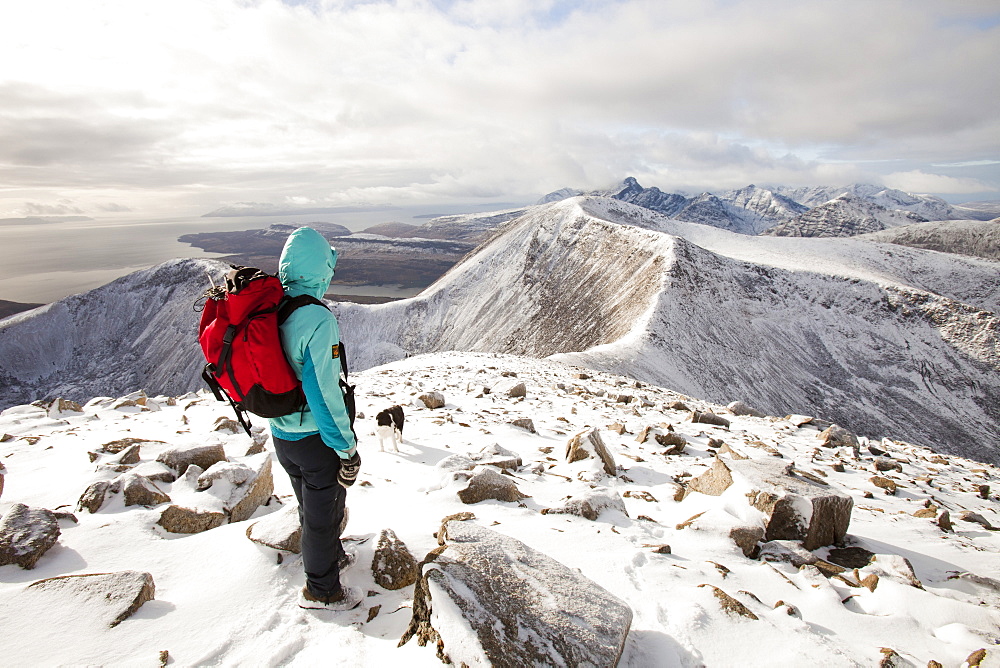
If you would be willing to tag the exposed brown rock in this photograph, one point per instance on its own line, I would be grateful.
(836, 436)
(590, 444)
(884, 483)
(114, 447)
(140, 491)
(257, 492)
(781, 495)
(976, 658)
(714, 481)
(730, 604)
(746, 538)
(176, 519)
(674, 442)
(393, 566)
(709, 417)
(93, 497)
(458, 517)
(203, 456)
(526, 424)
(488, 484)
(432, 400)
(740, 408)
(227, 424)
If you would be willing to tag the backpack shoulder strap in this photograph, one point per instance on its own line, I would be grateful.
(289, 304)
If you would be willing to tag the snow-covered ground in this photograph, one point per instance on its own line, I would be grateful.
(224, 600)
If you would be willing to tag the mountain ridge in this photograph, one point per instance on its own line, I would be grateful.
(872, 336)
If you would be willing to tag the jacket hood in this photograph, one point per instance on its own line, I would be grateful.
(307, 263)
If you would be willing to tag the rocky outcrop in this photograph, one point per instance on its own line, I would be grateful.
(140, 491)
(794, 508)
(26, 534)
(488, 484)
(393, 565)
(93, 497)
(509, 605)
(432, 400)
(492, 455)
(111, 597)
(226, 492)
(511, 389)
(177, 519)
(740, 408)
(204, 457)
(590, 444)
(254, 488)
(836, 436)
(591, 504)
(280, 530)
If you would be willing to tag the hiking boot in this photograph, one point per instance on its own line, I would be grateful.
(348, 599)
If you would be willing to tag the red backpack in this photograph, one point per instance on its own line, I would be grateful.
(239, 336)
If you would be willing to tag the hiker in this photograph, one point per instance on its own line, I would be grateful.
(316, 446)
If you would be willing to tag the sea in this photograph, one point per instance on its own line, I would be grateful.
(43, 262)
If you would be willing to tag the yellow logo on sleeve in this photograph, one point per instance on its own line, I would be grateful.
(336, 351)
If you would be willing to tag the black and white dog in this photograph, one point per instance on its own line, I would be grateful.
(390, 426)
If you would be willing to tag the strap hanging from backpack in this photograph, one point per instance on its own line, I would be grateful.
(348, 390)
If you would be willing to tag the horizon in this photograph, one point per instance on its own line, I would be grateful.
(177, 109)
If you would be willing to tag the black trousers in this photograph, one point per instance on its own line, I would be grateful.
(312, 467)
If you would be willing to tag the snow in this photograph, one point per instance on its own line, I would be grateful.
(224, 600)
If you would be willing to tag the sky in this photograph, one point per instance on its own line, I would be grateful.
(179, 107)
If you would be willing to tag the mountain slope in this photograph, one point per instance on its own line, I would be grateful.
(139, 331)
(869, 345)
(979, 238)
(846, 216)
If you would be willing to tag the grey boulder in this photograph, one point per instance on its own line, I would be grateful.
(510, 605)
(26, 534)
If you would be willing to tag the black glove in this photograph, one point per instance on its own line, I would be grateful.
(349, 468)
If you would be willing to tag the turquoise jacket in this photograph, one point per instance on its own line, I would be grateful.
(310, 337)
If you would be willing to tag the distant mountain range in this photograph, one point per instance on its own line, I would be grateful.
(801, 211)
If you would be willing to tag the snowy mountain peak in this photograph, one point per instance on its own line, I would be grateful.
(846, 215)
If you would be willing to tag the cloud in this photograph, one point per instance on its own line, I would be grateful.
(917, 181)
(341, 101)
(38, 209)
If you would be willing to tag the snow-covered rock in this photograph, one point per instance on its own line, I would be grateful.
(488, 599)
(110, 597)
(280, 530)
